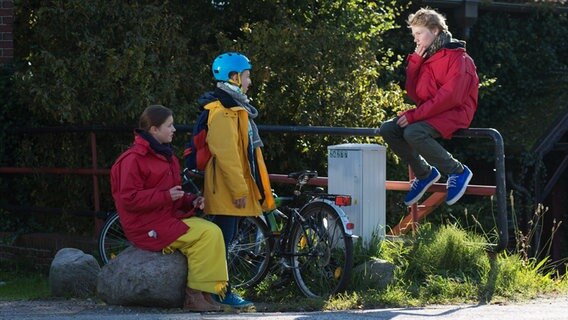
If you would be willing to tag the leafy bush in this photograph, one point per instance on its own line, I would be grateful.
(101, 62)
(525, 58)
(325, 77)
(331, 63)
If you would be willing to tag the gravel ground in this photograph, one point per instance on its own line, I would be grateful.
(64, 308)
(60, 308)
(550, 308)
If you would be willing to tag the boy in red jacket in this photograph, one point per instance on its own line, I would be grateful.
(441, 79)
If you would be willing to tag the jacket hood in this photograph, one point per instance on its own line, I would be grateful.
(206, 98)
(218, 95)
(455, 44)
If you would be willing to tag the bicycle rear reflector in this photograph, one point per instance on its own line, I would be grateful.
(343, 200)
(350, 226)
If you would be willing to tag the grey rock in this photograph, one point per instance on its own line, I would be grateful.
(375, 273)
(73, 274)
(142, 278)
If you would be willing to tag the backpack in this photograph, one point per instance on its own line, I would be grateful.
(196, 154)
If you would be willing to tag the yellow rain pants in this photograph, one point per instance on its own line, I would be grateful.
(204, 248)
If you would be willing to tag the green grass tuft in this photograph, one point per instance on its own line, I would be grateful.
(448, 252)
(22, 285)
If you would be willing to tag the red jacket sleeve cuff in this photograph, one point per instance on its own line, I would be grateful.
(415, 58)
(410, 116)
(186, 214)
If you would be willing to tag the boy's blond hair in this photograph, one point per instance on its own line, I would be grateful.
(428, 18)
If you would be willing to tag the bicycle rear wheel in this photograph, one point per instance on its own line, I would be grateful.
(322, 252)
(249, 253)
(112, 240)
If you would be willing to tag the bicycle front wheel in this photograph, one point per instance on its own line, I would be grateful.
(322, 252)
(249, 253)
(112, 240)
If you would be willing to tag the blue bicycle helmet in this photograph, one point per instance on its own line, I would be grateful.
(229, 62)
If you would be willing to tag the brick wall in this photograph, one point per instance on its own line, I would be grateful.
(6, 31)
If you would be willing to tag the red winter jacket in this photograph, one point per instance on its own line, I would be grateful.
(445, 89)
(140, 182)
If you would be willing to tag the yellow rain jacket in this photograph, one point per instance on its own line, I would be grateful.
(228, 175)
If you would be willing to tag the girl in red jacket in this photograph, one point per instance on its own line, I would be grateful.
(157, 215)
(441, 79)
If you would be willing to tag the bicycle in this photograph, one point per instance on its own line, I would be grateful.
(310, 235)
(111, 240)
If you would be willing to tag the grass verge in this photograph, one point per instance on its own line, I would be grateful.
(22, 284)
(445, 265)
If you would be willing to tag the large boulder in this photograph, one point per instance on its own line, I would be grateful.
(375, 273)
(142, 278)
(73, 274)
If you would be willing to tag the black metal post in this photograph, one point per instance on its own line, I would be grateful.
(501, 191)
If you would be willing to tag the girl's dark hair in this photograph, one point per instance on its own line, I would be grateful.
(154, 115)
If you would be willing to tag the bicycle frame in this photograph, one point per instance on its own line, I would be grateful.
(293, 215)
(313, 197)
(309, 234)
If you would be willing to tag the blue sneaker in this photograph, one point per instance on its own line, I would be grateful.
(419, 186)
(233, 300)
(457, 184)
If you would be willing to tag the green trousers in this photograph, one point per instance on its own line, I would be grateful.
(416, 145)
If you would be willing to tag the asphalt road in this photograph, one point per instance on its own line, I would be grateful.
(543, 308)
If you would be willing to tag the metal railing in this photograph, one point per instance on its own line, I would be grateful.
(499, 154)
(95, 171)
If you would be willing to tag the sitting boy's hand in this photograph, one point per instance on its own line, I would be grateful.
(402, 121)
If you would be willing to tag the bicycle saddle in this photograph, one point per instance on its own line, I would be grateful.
(307, 173)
